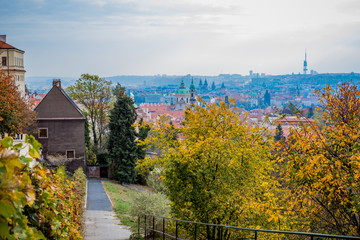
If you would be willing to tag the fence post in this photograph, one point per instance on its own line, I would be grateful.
(139, 224)
(195, 231)
(145, 227)
(176, 229)
(312, 237)
(153, 230)
(163, 228)
(255, 235)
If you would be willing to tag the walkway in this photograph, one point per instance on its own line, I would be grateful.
(101, 222)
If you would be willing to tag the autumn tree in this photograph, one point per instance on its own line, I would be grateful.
(321, 166)
(94, 93)
(122, 147)
(218, 172)
(15, 114)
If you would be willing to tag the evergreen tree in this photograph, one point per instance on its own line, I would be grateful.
(122, 146)
(142, 135)
(279, 134)
(87, 131)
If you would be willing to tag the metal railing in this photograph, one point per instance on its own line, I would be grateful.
(169, 228)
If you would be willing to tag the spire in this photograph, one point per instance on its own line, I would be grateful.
(213, 87)
(192, 86)
(305, 64)
(182, 85)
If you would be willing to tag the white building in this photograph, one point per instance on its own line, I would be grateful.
(12, 62)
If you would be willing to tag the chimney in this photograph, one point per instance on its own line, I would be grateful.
(3, 38)
(57, 83)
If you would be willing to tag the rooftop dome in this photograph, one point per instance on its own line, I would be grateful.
(182, 89)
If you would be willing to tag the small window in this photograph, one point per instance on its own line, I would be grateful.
(43, 133)
(3, 61)
(70, 154)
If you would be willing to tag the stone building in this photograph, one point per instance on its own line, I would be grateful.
(12, 62)
(61, 130)
(184, 97)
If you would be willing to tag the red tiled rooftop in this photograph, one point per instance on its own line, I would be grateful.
(5, 45)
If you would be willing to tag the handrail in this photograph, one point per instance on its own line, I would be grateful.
(256, 231)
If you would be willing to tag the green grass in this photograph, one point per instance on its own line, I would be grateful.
(122, 197)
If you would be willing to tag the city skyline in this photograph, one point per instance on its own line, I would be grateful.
(200, 37)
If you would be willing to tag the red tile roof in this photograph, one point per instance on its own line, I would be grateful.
(5, 45)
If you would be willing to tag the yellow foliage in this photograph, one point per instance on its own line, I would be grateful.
(220, 171)
(321, 167)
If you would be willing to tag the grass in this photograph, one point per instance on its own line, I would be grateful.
(122, 197)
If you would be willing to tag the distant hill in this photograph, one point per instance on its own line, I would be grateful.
(44, 84)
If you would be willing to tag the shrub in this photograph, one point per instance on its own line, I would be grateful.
(58, 208)
(148, 203)
(16, 192)
(36, 203)
(154, 181)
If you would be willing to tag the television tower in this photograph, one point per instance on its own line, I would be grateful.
(305, 64)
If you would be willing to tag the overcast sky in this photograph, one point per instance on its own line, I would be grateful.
(177, 37)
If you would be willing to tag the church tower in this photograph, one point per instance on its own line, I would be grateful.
(205, 85)
(182, 97)
(192, 92)
(305, 64)
(267, 98)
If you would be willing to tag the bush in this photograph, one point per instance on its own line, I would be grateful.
(154, 181)
(148, 203)
(58, 208)
(36, 203)
(16, 192)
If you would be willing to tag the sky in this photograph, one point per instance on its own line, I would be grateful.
(178, 37)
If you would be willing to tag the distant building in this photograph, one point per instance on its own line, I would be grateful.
(313, 72)
(267, 98)
(200, 84)
(222, 86)
(213, 87)
(254, 100)
(305, 64)
(184, 97)
(12, 62)
(61, 129)
(153, 98)
(192, 93)
(205, 87)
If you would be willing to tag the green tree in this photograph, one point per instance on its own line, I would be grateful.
(143, 130)
(94, 93)
(220, 172)
(122, 145)
(87, 131)
(321, 166)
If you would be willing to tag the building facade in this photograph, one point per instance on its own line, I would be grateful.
(182, 97)
(12, 62)
(61, 130)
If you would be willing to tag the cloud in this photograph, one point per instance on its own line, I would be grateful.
(183, 36)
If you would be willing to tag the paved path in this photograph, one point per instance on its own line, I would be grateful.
(101, 222)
